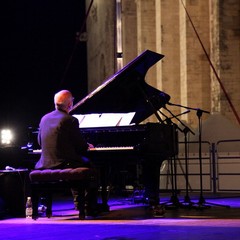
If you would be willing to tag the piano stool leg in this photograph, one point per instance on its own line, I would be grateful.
(48, 202)
(81, 203)
(35, 200)
(41, 189)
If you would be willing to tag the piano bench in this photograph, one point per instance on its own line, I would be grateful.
(44, 182)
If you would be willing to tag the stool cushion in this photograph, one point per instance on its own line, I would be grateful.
(68, 174)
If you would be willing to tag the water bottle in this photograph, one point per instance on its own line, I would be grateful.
(29, 209)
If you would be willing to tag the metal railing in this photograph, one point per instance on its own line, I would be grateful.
(220, 168)
(228, 165)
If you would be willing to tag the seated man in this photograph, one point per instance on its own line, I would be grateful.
(63, 146)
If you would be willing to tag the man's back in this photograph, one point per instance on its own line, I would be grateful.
(60, 140)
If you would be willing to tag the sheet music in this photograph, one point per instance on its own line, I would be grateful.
(104, 119)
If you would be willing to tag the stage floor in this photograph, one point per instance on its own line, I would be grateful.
(218, 218)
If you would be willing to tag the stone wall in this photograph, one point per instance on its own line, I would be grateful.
(163, 26)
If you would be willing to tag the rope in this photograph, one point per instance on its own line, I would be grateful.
(211, 64)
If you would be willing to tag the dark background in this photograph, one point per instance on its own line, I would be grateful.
(38, 38)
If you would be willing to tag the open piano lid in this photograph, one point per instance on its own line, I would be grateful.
(126, 91)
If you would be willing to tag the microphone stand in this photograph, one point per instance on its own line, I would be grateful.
(187, 202)
(174, 198)
(201, 203)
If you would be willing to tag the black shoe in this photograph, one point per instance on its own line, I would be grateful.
(93, 211)
(98, 210)
(81, 216)
(158, 211)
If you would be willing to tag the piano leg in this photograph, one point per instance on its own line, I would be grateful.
(151, 174)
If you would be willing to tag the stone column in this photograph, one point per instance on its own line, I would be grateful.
(168, 44)
(225, 52)
(100, 42)
(129, 30)
(194, 66)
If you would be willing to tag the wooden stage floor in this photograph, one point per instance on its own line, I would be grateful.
(218, 219)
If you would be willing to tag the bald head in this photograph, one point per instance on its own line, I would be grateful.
(63, 100)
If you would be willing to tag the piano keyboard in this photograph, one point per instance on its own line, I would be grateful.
(122, 148)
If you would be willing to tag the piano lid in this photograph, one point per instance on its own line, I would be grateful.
(126, 91)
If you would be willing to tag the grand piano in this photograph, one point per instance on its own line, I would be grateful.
(127, 92)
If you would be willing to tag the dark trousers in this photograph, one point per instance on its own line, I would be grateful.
(91, 195)
(90, 185)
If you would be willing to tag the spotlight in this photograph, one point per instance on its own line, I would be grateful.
(6, 137)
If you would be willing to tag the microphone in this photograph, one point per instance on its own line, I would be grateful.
(164, 98)
(160, 99)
